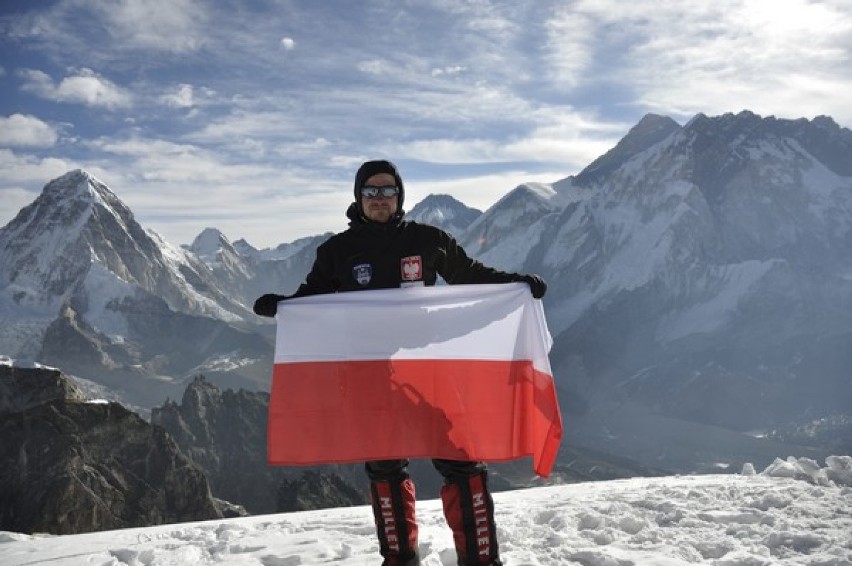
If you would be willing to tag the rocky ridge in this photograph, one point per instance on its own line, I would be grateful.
(72, 465)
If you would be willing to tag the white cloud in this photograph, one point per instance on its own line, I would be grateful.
(156, 160)
(540, 146)
(453, 70)
(781, 75)
(264, 215)
(22, 169)
(480, 17)
(241, 124)
(159, 160)
(695, 56)
(84, 86)
(96, 32)
(161, 25)
(570, 42)
(204, 188)
(23, 130)
(182, 97)
(375, 67)
(288, 43)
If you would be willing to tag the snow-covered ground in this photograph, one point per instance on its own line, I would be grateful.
(793, 513)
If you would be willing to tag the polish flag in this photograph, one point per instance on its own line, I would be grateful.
(455, 372)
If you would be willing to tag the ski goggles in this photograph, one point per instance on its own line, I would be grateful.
(385, 191)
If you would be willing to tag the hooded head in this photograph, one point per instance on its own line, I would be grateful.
(370, 168)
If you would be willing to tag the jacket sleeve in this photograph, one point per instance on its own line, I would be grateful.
(456, 267)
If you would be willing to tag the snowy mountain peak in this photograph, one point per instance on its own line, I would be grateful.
(540, 190)
(245, 249)
(743, 146)
(209, 243)
(54, 240)
(77, 249)
(223, 258)
(65, 202)
(445, 212)
(78, 183)
(436, 201)
(525, 196)
(650, 130)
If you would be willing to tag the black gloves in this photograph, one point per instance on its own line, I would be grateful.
(537, 285)
(267, 305)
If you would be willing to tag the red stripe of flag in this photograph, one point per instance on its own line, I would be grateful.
(352, 411)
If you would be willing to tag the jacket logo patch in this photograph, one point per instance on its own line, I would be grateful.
(363, 273)
(412, 268)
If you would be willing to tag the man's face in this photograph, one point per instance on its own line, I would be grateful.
(380, 209)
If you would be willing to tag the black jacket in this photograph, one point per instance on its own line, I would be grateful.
(400, 253)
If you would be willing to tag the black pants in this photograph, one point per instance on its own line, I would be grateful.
(389, 470)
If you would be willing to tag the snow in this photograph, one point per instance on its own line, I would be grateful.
(511, 254)
(50, 241)
(739, 280)
(104, 288)
(8, 361)
(828, 193)
(792, 513)
(175, 257)
(542, 190)
(639, 232)
(207, 244)
(222, 363)
(635, 246)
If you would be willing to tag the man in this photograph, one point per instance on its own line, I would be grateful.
(380, 250)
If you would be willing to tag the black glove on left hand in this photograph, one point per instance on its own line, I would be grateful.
(537, 285)
(267, 305)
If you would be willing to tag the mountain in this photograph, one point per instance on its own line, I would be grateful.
(703, 277)
(84, 287)
(77, 229)
(445, 212)
(213, 248)
(230, 269)
(834, 432)
(246, 272)
(698, 281)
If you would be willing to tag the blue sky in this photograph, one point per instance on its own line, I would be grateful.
(253, 116)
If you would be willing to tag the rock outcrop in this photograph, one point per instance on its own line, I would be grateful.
(224, 432)
(69, 465)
